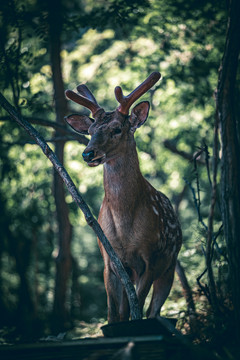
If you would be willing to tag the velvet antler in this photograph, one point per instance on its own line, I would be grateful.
(85, 98)
(127, 101)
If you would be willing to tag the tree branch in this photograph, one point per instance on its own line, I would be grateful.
(61, 128)
(186, 288)
(91, 221)
(210, 237)
(32, 142)
(170, 146)
(196, 203)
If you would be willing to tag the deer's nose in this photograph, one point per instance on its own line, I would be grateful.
(88, 156)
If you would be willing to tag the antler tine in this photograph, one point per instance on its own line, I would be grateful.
(84, 91)
(127, 101)
(85, 98)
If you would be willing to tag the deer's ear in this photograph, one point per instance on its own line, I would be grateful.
(79, 123)
(139, 115)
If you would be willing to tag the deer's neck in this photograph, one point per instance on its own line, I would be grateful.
(123, 181)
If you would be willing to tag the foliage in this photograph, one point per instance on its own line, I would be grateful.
(107, 44)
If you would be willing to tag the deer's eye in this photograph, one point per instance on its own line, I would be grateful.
(117, 131)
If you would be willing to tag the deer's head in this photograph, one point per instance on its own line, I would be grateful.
(109, 130)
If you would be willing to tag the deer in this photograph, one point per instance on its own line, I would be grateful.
(138, 220)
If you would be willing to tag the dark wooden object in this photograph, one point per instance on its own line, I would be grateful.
(154, 347)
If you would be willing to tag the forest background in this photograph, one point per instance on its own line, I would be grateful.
(50, 265)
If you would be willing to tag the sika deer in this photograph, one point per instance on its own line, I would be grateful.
(138, 220)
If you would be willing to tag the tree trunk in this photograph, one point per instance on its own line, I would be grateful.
(63, 261)
(230, 162)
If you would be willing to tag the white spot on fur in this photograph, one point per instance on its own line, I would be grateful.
(155, 210)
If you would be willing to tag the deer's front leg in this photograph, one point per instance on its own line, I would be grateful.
(113, 289)
(118, 305)
(124, 309)
(143, 285)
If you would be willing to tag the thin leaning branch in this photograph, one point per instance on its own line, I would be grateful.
(187, 291)
(91, 221)
(32, 142)
(168, 144)
(210, 238)
(196, 203)
(70, 135)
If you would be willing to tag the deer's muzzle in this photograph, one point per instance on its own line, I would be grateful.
(93, 159)
(88, 156)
